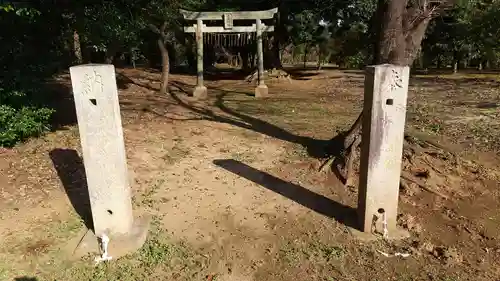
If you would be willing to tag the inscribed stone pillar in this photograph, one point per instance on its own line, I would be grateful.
(200, 92)
(261, 90)
(386, 90)
(99, 121)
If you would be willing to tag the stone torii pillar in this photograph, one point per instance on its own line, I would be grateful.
(384, 112)
(261, 90)
(200, 92)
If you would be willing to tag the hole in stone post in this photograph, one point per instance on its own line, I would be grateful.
(389, 102)
(110, 212)
(93, 101)
(381, 211)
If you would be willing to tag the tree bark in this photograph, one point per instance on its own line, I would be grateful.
(392, 41)
(390, 48)
(165, 65)
(421, 60)
(77, 47)
(110, 54)
(305, 57)
(165, 59)
(455, 62)
(400, 27)
(318, 66)
(276, 53)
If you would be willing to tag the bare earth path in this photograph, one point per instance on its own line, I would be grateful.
(236, 191)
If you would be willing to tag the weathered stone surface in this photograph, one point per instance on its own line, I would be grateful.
(99, 121)
(119, 245)
(200, 92)
(260, 52)
(261, 91)
(386, 90)
(199, 54)
(398, 234)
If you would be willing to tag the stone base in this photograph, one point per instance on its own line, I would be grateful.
(261, 91)
(200, 92)
(398, 234)
(119, 245)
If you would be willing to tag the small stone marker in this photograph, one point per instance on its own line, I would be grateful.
(99, 121)
(384, 114)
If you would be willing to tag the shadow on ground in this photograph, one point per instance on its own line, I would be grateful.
(25, 278)
(314, 147)
(309, 199)
(459, 81)
(60, 99)
(71, 171)
(229, 74)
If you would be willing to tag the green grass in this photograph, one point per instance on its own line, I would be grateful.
(160, 258)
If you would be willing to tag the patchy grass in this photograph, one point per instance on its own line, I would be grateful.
(272, 220)
(159, 258)
(148, 198)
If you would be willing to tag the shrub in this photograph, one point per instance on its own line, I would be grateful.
(19, 124)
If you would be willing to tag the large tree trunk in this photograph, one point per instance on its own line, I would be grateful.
(278, 36)
(318, 65)
(165, 65)
(400, 29)
(276, 53)
(305, 56)
(245, 56)
(165, 60)
(77, 47)
(109, 56)
(455, 62)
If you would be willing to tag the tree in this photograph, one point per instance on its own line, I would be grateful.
(486, 30)
(451, 39)
(163, 18)
(400, 26)
(112, 26)
(306, 30)
(24, 111)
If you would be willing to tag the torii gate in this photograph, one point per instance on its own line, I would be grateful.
(199, 28)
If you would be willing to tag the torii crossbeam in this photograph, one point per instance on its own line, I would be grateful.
(200, 91)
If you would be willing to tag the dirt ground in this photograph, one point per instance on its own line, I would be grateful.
(236, 193)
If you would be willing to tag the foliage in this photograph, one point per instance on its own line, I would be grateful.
(467, 33)
(110, 24)
(19, 124)
(22, 110)
(43, 41)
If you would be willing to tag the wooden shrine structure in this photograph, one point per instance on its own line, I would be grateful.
(199, 28)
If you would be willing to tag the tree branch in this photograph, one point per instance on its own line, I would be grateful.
(154, 29)
(163, 27)
(160, 31)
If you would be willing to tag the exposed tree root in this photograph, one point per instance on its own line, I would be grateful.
(353, 156)
(426, 164)
(408, 177)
